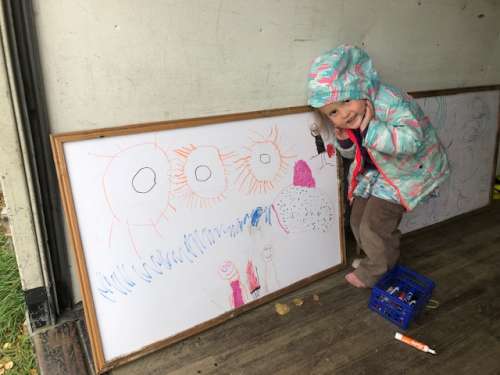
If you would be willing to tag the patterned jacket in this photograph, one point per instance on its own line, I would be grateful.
(400, 140)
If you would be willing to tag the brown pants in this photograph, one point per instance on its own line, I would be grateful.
(375, 222)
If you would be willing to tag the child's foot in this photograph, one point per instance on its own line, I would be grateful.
(354, 280)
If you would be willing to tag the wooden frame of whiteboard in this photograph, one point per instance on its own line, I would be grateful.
(58, 141)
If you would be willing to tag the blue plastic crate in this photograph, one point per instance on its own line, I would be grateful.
(397, 307)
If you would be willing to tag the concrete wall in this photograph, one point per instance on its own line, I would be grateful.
(115, 62)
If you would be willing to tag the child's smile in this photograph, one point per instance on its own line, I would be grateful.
(347, 114)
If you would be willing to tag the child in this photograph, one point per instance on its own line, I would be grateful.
(398, 160)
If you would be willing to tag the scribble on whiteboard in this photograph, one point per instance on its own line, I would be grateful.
(137, 188)
(466, 127)
(324, 160)
(302, 207)
(326, 153)
(123, 278)
(271, 282)
(262, 164)
(201, 175)
(228, 271)
(435, 109)
(467, 159)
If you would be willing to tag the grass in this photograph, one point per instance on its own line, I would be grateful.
(15, 344)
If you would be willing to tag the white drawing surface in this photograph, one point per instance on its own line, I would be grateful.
(181, 226)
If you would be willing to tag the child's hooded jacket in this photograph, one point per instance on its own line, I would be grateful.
(400, 140)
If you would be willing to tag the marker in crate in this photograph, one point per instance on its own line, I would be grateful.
(409, 299)
(392, 290)
(416, 344)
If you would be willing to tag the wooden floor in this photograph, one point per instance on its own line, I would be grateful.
(339, 335)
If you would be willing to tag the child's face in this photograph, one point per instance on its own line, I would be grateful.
(347, 114)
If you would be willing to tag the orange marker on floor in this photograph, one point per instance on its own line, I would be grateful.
(416, 344)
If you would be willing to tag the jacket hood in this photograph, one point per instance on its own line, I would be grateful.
(345, 72)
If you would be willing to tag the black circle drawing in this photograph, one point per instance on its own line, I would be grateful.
(202, 173)
(144, 180)
(265, 158)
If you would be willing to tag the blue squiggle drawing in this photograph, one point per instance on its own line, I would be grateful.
(123, 278)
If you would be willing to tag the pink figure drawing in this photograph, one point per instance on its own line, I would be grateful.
(229, 272)
(252, 278)
(237, 294)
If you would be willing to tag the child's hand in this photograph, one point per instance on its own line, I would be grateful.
(341, 134)
(369, 115)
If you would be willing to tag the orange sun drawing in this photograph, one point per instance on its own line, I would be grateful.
(136, 186)
(262, 164)
(201, 175)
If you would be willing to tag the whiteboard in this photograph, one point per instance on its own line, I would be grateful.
(175, 227)
(467, 127)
